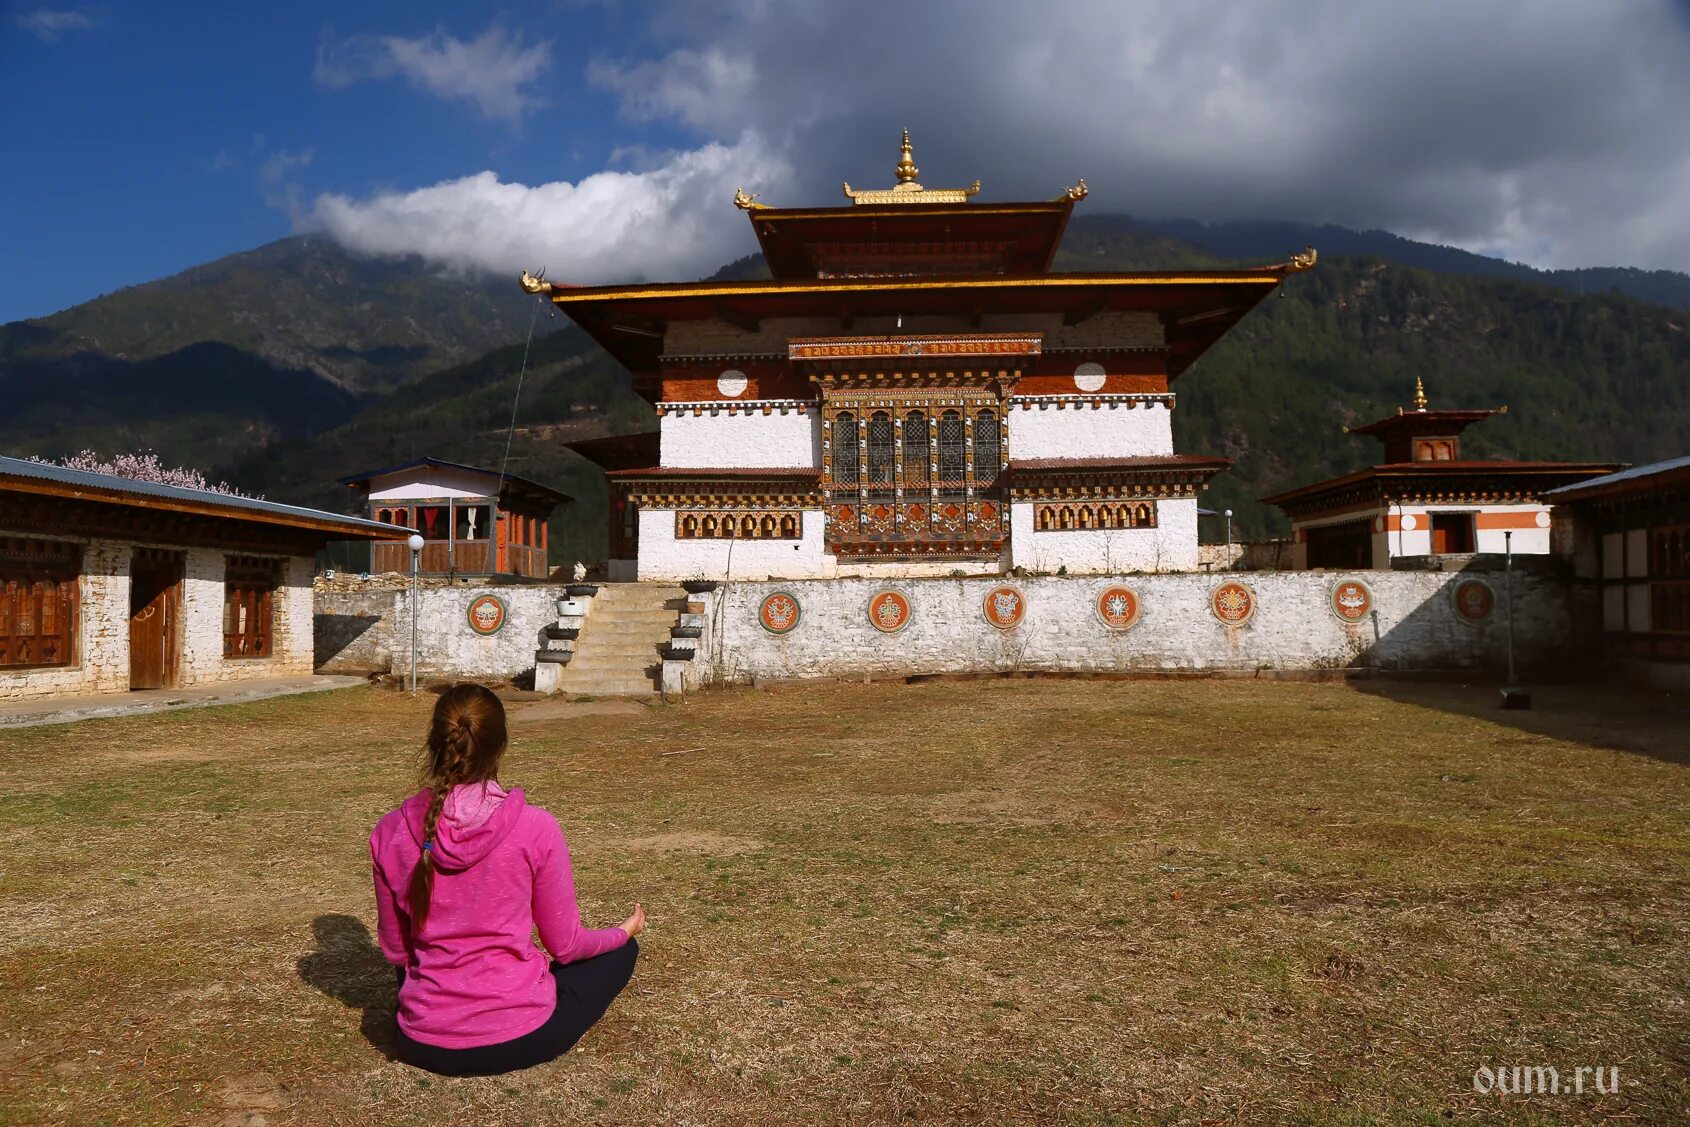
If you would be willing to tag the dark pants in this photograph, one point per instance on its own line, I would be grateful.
(584, 992)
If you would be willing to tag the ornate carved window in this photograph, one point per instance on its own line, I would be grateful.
(882, 449)
(953, 450)
(917, 449)
(987, 447)
(249, 594)
(845, 449)
(38, 603)
(1080, 516)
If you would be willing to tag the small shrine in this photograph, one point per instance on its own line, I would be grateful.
(474, 522)
(913, 392)
(1425, 498)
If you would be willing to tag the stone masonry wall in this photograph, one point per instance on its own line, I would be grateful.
(370, 631)
(1293, 627)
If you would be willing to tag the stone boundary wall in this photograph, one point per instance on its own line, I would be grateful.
(370, 631)
(1414, 625)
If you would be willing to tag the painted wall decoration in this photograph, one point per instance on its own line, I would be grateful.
(1474, 600)
(1117, 607)
(732, 383)
(1090, 376)
(487, 614)
(889, 611)
(1233, 603)
(779, 613)
(1352, 600)
(1004, 607)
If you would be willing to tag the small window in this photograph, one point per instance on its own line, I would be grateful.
(249, 596)
(987, 448)
(1452, 533)
(915, 448)
(845, 449)
(952, 448)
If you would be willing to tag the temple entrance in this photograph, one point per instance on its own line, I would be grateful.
(155, 601)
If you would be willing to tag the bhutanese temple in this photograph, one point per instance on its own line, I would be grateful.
(1426, 498)
(913, 391)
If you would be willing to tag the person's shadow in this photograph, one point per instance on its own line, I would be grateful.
(349, 967)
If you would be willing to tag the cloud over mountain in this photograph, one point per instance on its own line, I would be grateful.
(672, 218)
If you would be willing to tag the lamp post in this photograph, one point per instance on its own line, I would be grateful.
(1512, 695)
(415, 543)
(1228, 563)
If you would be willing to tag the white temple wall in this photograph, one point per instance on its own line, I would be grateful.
(1293, 627)
(1079, 430)
(1170, 546)
(741, 440)
(662, 556)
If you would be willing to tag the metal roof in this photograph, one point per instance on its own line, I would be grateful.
(237, 507)
(1632, 474)
(441, 463)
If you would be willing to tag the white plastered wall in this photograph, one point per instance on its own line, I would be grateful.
(662, 556)
(741, 440)
(1079, 430)
(423, 483)
(1170, 546)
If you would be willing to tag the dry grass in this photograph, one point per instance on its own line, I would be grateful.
(1026, 902)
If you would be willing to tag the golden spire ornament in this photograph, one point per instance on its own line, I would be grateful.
(1419, 394)
(907, 170)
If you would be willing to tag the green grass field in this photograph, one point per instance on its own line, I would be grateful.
(1050, 902)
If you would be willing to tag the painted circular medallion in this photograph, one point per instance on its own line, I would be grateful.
(889, 612)
(1004, 607)
(779, 613)
(487, 614)
(1090, 376)
(1352, 600)
(1233, 603)
(732, 383)
(1117, 607)
(1474, 600)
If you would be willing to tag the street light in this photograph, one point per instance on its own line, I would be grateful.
(1228, 562)
(415, 543)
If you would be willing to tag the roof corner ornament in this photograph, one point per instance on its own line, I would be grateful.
(1304, 261)
(745, 202)
(1077, 193)
(535, 283)
(1419, 394)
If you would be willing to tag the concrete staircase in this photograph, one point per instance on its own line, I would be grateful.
(619, 651)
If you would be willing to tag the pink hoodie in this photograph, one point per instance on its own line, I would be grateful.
(473, 974)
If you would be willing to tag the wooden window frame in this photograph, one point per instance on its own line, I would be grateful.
(25, 567)
(250, 584)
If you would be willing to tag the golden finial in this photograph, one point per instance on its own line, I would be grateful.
(536, 283)
(745, 202)
(907, 170)
(1077, 193)
(1419, 394)
(1304, 261)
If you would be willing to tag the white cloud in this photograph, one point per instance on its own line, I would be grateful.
(279, 163)
(494, 71)
(672, 219)
(47, 24)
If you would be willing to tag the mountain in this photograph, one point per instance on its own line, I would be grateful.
(1272, 241)
(302, 303)
(286, 369)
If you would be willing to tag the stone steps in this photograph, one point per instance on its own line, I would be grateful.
(617, 651)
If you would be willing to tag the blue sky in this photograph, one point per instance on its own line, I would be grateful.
(604, 140)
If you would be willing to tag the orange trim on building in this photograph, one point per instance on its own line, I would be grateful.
(1516, 521)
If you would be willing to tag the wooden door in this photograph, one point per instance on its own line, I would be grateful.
(154, 596)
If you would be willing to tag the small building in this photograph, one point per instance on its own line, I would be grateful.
(913, 392)
(473, 522)
(108, 584)
(1425, 499)
(1631, 532)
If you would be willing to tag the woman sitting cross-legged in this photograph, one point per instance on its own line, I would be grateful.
(465, 871)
